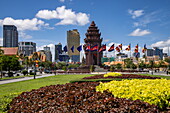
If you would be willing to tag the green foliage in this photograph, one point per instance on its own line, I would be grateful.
(112, 68)
(155, 91)
(134, 66)
(71, 66)
(24, 72)
(64, 68)
(142, 65)
(10, 63)
(5, 100)
(128, 63)
(118, 66)
(60, 65)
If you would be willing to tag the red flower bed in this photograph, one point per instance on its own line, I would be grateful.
(75, 98)
(124, 76)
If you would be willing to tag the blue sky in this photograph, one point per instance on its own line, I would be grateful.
(46, 22)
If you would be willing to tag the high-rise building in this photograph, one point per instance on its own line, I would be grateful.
(26, 48)
(58, 51)
(155, 52)
(10, 36)
(46, 48)
(73, 40)
(48, 53)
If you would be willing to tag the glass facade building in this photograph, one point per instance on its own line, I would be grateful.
(10, 36)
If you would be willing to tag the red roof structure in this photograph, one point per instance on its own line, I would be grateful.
(10, 50)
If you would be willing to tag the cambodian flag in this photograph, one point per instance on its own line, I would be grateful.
(111, 48)
(88, 48)
(94, 48)
(103, 48)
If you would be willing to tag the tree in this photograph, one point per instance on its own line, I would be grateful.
(10, 63)
(1, 54)
(128, 63)
(142, 65)
(118, 66)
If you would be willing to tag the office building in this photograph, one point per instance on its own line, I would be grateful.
(10, 36)
(58, 51)
(48, 53)
(73, 39)
(26, 48)
(155, 52)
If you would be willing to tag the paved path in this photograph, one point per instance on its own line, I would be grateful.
(47, 75)
(23, 79)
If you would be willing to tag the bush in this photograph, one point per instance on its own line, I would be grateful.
(112, 74)
(92, 68)
(24, 72)
(64, 68)
(112, 68)
(32, 73)
(76, 98)
(156, 92)
(10, 74)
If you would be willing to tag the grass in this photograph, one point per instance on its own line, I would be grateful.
(9, 91)
(165, 77)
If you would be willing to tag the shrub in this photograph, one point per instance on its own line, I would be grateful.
(112, 74)
(112, 68)
(24, 72)
(76, 98)
(155, 91)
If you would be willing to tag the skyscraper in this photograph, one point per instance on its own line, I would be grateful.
(10, 36)
(48, 53)
(58, 51)
(73, 41)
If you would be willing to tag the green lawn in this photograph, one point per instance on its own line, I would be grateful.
(9, 91)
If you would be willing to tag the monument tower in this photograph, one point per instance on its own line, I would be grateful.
(93, 39)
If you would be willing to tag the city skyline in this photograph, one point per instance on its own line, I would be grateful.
(47, 22)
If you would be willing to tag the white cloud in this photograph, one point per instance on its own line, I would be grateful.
(147, 18)
(1, 41)
(136, 13)
(106, 40)
(61, 0)
(24, 24)
(161, 43)
(67, 16)
(24, 35)
(139, 32)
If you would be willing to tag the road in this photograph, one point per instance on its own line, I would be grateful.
(23, 79)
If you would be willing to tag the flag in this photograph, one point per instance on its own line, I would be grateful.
(65, 48)
(136, 48)
(111, 48)
(94, 48)
(128, 48)
(79, 48)
(72, 49)
(103, 48)
(117, 49)
(120, 46)
(88, 48)
(144, 48)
